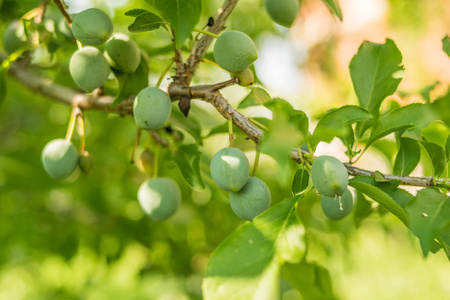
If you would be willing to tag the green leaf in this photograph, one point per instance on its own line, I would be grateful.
(246, 264)
(407, 158)
(223, 128)
(135, 12)
(301, 181)
(446, 45)
(440, 108)
(362, 208)
(447, 148)
(187, 158)
(257, 96)
(402, 118)
(130, 84)
(376, 73)
(437, 156)
(335, 122)
(379, 196)
(146, 22)
(334, 7)
(183, 16)
(311, 280)
(290, 243)
(286, 131)
(429, 212)
(3, 75)
(191, 125)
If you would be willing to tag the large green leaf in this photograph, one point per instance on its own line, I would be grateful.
(362, 208)
(257, 96)
(402, 118)
(437, 156)
(366, 187)
(446, 45)
(187, 158)
(311, 280)
(376, 73)
(429, 212)
(191, 125)
(301, 181)
(334, 7)
(335, 123)
(183, 16)
(246, 264)
(407, 158)
(145, 22)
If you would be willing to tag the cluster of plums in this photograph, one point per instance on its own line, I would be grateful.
(249, 196)
(330, 178)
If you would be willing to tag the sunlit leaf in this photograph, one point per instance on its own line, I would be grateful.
(257, 96)
(376, 71)
(301, 181)
(246, 264)
(334, 7)
(437, 156)
(311, 280)
(146, 22)
(407, 158)
(429, 212)
(135, 12)
(187, 158)
(446, 45)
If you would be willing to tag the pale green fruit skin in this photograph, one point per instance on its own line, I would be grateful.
(230, 169)
(152, 108)
(123, 53)
(331, 207)
(86, 162)
(329, 176)
(246, 77)
(159, 198)
(59, 158)
(147, 162)
(282, 12)
(89, 68)
(92, 27)
(14, 37)
(234, 51)
(251, 200)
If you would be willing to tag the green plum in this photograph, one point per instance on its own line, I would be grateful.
(234, 51)
(123, 53)
(245, 78)
(159, 198)
(251, 200)
(283, 12)
(230, 169)
(329, 176)
(331, 206)
(86, 162)
(92, 27)
(147, 162)
(59, 158)
(14, 37)
(152, 108)
(89, 68)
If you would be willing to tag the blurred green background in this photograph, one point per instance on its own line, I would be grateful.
(87, 238)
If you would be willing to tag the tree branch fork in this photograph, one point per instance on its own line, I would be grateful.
(180, 88)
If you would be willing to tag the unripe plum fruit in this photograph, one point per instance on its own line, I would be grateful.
(234, 51)
(59, 158)
(230, 169)
(89, 68)
(159, 198)
(92, 27)
(123, 53)
(283, 12)
(245, 78)
(86, 162)
(152, 108)
(251, 200)
(329, 176)
(14, 37)
(147, 162)
(332, 208)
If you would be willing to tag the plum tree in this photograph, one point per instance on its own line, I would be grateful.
(89, 68)
(230, 169)
(245, 77)
(283, 12)
(331, 206)
(14, 36)
(251, 200)
(59, 158)
(159, 198)
(329, 176)
(234, 51)
(92, 27)
(152, 108)
(123, 53)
